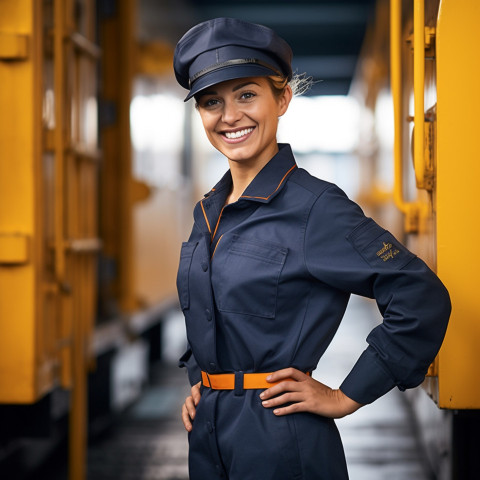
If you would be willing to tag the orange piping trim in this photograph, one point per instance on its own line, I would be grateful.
(216, 247)
(281, 181)
(218, 223)
(206, 219)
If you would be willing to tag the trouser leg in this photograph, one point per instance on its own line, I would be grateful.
(204, 460)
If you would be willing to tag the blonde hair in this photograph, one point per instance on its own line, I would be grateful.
(300, 83)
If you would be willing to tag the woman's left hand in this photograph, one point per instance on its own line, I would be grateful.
(304, 394)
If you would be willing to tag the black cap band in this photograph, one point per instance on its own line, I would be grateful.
(229, 63)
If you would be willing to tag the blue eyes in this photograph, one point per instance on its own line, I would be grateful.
(210, 103)
(213, 102)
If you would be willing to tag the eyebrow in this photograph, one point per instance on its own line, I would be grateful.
(237, 87)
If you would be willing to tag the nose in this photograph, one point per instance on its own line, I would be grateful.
(231, 112)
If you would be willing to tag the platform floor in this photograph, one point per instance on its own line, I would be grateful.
(149, 443)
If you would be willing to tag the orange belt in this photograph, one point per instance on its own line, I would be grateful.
(226, 381)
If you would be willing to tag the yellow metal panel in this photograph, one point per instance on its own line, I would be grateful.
(13, 46)
(14, 249)
(17, 341)
(458, 173)
(17, 206)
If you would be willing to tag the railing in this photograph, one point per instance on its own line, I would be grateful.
(424, 174)
(409, 209)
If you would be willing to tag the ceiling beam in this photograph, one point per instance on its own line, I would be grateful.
(298, 14)
(325, 66)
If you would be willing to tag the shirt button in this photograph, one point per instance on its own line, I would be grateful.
(208, 313)
(209, 427)
(204, 266)
(213, 366)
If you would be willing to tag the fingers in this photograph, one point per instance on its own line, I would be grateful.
(287, 386)
(291, 373)
(293, 408)
(283, 399)
(189, 407)
(308, 395)
(195, 391)
(289, 379)
(186, 418)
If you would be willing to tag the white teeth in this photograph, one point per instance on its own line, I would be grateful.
(238, 134)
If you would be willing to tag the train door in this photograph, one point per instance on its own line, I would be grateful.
(49, 160)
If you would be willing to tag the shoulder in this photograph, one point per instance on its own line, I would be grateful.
(323, 192)
(310, 183)
(328, 204)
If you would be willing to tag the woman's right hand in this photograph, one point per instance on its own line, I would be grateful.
(189, 407)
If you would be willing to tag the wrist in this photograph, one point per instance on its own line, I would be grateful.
(348, 405)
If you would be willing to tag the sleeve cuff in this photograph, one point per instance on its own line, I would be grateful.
(368, 380)
(188, 361)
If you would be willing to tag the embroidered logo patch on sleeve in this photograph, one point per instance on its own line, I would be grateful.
(378, 247)
(388, 251)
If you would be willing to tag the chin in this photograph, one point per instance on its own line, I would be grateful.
(237, 155)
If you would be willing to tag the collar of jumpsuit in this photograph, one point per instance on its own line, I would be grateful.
(266, 185)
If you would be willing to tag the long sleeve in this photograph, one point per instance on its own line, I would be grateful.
(187, 360)
(350, 252)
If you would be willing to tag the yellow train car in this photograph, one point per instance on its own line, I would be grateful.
(433, 87)
(86, 273)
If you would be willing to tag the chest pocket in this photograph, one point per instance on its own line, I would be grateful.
(248, 278)
(184, 273)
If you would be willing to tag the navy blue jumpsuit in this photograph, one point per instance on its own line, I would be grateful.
(263, 284)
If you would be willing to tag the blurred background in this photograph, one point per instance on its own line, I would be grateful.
(102, 162)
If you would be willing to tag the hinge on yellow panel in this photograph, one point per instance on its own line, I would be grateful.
(429, 41)
(13, 46)
(429, 37)
(429, 147)
(429, 133)
(14, 249)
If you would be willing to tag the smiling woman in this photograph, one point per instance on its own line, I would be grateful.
(240, 118)
(265, 277)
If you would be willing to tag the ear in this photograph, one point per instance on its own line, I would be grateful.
(284, 100)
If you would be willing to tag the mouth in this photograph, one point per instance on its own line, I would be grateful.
(237, 135)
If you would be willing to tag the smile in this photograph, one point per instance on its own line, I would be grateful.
(238, 134)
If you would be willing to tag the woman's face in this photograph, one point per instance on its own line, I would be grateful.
(240, 118)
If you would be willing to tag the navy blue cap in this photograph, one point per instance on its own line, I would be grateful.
(226, 48)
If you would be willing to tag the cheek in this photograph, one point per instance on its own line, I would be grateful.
(208, 121)
(208, 127)
(210, 136)
(271, 123)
